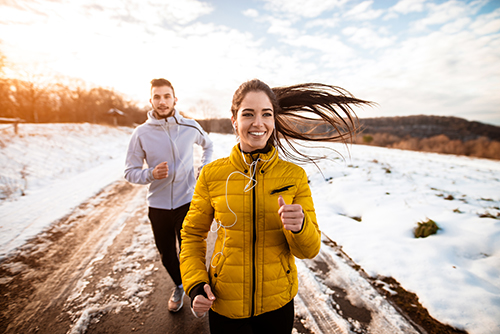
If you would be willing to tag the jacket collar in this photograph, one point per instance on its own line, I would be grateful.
(175, 118)
(242, 161)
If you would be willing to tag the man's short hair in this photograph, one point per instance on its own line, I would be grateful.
(160, 83)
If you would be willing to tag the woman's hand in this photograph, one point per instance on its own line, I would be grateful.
(292, 215)
(202, 304)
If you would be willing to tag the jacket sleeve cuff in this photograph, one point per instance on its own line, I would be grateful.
(151, 178)
(303, 223)
(196, 291)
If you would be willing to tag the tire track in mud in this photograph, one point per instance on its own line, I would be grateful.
(40, 276)
(338, 299)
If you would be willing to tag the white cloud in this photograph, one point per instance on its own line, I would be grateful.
(322, 43)
(281, 27)
(390, 15)
(456, 26)
(185, 11)
(434, 74)
(154, 11)
(28, 12)
(443, 13)
(367, 38)
(408, 6)
(487, 24)
(364, 12)
(253, 13)
(323, 23)
(303, 8)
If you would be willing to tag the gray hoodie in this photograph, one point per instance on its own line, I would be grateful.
(170, 140)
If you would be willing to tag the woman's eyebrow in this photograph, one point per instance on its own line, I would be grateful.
(250, 109)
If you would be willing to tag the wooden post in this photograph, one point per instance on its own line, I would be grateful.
(14, 121)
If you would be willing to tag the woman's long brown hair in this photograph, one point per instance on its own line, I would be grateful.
(306, 112)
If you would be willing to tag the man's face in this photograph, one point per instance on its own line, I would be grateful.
(163, 101)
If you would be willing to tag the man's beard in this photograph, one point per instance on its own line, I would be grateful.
(157, 114)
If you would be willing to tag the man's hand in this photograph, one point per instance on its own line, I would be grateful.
(291, 215)
(202, 304)
(161, 171)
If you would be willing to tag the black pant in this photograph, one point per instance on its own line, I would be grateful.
(279, 321)
(167, 226)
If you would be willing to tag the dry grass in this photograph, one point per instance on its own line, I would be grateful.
(425, 229)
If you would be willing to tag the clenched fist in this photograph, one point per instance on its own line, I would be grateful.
(161, 171)
(202, 304)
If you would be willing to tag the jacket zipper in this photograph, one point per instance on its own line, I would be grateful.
(173, 176)
(253, 250)
(254, 241)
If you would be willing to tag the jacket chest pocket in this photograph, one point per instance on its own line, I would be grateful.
(282, 190)
(286, 191)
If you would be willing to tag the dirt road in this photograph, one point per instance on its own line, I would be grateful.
(93, 272)
(97, 271)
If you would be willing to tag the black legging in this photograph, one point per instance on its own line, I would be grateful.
(279, 321)
(167, 226)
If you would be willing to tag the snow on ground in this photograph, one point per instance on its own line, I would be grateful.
(369, 203)
(49, 169)
(456, 273)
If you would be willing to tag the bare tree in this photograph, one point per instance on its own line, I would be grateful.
(30, 93)
(206, 112)
(5, 102)
(206, 109)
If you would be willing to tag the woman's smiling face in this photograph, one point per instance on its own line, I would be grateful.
(254, 121)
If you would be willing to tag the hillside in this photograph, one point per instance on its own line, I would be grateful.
(438, 134)
(422, 126)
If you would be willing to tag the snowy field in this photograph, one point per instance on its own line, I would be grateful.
(369, 203)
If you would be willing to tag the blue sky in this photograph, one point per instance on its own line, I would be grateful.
(410, 56)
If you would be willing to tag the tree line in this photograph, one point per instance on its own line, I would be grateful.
(35, 99)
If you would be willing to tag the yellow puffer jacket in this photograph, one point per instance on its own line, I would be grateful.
(253, 267)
